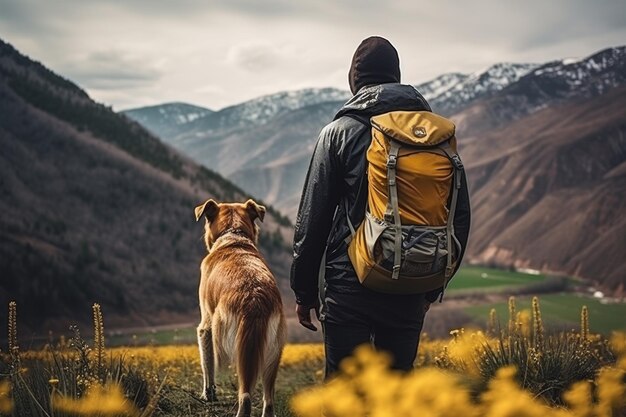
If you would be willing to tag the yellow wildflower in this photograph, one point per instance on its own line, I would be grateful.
(584, 324)
(505, 398)
(98, 400)
(618, 343)
(578, 397)
(302, 353)
(537, 325)
(512, 315)
(13, 347)
(492, 324)
(611, 391)
(98, 337)
(6, 403)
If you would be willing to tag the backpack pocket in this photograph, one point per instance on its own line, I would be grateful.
(423, 260)
(424, 250)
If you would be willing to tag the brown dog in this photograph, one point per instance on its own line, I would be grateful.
(242, 312)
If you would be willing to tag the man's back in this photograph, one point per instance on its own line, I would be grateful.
(339, 163)
(335, 189)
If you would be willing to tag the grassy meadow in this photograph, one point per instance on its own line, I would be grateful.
(483, 278)
(479, 289)
(556, 355)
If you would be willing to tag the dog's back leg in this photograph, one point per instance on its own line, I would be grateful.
(205, 343)
(273, 348)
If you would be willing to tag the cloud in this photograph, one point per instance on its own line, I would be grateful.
(255, 56)
(135, 52)
(112, 69)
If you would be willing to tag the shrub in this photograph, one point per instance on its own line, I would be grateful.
(549, 361)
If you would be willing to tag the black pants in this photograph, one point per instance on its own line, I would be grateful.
(391, 322)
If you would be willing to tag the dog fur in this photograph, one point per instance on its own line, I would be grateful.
(242, 319)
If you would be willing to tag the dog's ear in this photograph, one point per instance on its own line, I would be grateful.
(209, 208)
(254, 210)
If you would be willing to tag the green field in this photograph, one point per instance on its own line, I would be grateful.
(564, 309)
(481, 278)
(157, 337)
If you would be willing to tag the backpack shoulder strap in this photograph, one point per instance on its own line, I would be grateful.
(457, 173)
(362, 119)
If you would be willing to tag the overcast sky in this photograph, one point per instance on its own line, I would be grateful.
(214, 53)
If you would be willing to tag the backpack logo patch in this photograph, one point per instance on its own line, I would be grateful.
(419, 131)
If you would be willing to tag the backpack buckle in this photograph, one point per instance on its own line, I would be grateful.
(456, 161)
(449, 271)
(392, 162)
(395, 274)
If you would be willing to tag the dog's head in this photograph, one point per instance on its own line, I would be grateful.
(222, 218)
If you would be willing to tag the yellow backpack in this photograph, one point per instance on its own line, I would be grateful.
(406, 243)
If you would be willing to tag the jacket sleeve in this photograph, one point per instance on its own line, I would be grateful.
(313, 223)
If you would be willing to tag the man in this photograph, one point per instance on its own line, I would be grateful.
(335, 183)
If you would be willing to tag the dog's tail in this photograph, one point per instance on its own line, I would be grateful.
(250, 350)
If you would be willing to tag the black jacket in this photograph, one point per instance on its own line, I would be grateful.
(337, 181)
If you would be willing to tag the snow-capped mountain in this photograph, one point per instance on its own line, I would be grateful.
(171, 119)
(166, 119)
(439, 85)
(260, 110)
(448, 94)
(545, 86)
(591, 76)
(468, 88)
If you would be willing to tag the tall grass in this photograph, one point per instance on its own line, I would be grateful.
(519, 367)
(548, 362)
(71, 378)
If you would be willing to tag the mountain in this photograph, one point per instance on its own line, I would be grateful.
(276, 170)
(548, 190)
(96, 209)
(260, 110)
(458, 90)
(257, 144)
(545, 86)
(166, 119)
(246, 115)
(439, 85)
(546, 160)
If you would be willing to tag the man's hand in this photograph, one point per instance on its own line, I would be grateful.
(304, 315)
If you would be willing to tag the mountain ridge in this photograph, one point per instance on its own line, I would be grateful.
(166, 118)
(542, 209)
(96, 209)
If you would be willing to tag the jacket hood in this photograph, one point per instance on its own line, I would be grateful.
(375, 61)
(378, 99)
